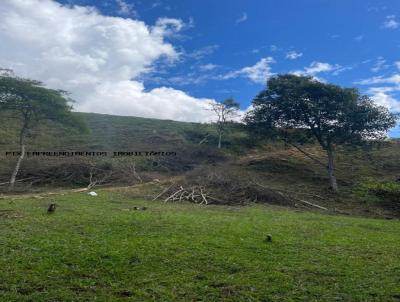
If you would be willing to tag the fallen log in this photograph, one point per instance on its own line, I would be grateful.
(312, 204)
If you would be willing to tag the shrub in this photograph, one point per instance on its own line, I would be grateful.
(383, 193)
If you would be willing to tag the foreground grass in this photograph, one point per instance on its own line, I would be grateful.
(100, 249)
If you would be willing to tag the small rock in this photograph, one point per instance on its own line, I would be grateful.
(92, 193)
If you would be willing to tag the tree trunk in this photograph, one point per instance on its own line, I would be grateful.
(331, 170)
(219, 140)
(17, 166)
(22, 155)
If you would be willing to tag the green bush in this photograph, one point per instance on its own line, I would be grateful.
(385, 193)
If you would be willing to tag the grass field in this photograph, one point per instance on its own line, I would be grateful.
(100, 249)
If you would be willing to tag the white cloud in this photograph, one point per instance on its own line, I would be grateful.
(293, 55)
(375, 90)
(379, 65)
(208, 67)
(317, 67)
(397, 64)
(273, 48)
(156, 4)
(359, 38)
(394, 79)
(382, 95)
(97, 58)
(376, 9)
(242, 18)
(341, 69)
(168, 26)
(163, 103)
(202, 52)
(125, 8)
(258, 73)
(191, 78)
(382, 98)
(391, 22)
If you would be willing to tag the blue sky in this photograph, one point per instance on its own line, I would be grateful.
(227, 48)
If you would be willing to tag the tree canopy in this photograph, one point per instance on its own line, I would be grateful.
(328, 113)
(33, 103)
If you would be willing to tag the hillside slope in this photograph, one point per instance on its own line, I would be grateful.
(109, 132)
(240, 166)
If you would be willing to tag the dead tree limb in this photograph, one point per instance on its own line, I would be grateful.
(307, 154)
(205, 139)
(132, 167)
(203, 196)
(163, 192)
(93, 181)
(174, 194)
(312, 204)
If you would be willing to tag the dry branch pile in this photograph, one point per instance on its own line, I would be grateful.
(196, 194)
(220, 185)
(226, 185)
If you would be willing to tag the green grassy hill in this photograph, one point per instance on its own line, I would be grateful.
(115, 134)
(240, 166)
(105, 132)
(100, 247)
(108, 132)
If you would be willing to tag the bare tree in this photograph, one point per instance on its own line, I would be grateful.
(225, 112)
(98, 176)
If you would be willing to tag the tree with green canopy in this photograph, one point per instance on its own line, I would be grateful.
(299, 106)
(33, 104)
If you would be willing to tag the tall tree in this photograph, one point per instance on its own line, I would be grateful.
(225, 111)
(34, 104)
(328, 113)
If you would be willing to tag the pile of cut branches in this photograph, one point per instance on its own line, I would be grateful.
(225, 185)
(219, 185)
(196, 194)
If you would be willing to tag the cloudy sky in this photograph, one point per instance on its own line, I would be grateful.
(169, 58)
